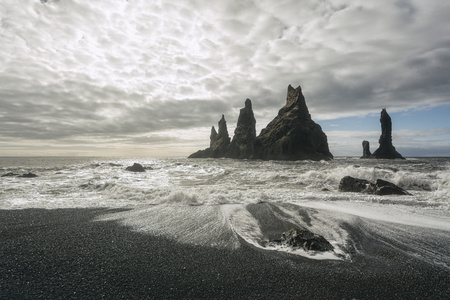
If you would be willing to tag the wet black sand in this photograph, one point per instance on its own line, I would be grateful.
(63, 254)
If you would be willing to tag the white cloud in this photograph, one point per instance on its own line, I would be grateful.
(115, 67)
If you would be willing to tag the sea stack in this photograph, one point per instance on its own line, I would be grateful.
(292, 135)
(244, 134)
(219, 143)
(386, 149)
(366, 150)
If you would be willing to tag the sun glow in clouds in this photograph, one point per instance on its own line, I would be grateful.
(88, 68)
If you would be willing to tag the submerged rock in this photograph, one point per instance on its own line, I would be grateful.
(28, 175)
(136, 168)
(305, 239)
(383, 187)
(9, 174)
(386, 150)
(380, 187)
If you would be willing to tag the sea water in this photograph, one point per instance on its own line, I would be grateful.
(223, 202)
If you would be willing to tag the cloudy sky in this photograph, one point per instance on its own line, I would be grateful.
(147, 78)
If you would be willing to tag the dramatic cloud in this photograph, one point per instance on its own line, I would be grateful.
(92, 76)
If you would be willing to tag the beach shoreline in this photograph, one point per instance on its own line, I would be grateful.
(66, 254)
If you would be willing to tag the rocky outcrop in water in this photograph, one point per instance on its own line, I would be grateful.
(136, 168)
(305, 239)
(9, 174)
(366, 150)
(28, 175)
(386, 150)
(25, 175)
(219, 144)
(380, 187)
(245, 133)
(292, 135)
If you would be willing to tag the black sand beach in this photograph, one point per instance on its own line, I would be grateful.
(64, 254)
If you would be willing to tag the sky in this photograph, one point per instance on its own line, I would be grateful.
(150, 78)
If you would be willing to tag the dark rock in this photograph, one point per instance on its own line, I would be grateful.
(220, 145)
(380, 187)
(244, 134)
(351, 184)
(386, 149)
(212, 137)
(383, 187)
(28, 175)
(115, 165)
(202, 153)
(302, 238)
(136, 168)
(292, 135)
(366, 150)
(9, 174)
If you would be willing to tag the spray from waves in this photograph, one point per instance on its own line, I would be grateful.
(197, 225)
(230, 225)
(209, 182)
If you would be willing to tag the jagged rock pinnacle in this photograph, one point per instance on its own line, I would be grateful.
(292, 135)
(213, 136)
(366, 149)
(386, 149)
(244, 134)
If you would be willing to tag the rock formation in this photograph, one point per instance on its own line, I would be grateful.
(28, 175)
(9, 174)
(292, 135)
(136, 168)
(305, 239)
(244, 134)
(221, 142)
(212, 137)
(380, 187)
(386, 149)
(366, 150)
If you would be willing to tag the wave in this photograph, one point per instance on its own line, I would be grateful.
(258, 225)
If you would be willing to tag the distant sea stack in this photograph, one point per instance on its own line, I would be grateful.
(386, 149)
(366, 150)
(292, 135)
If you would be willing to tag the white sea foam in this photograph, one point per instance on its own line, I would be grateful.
(204, 201)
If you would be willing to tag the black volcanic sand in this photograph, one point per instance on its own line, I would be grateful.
(64, 254)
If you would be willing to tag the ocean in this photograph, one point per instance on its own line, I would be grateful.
(223, 203)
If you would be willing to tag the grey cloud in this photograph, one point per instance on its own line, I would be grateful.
(52, 115)
(92, 68)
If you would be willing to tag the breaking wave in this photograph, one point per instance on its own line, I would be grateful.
(224, 203)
